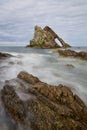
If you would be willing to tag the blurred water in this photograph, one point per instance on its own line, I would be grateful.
(47, 66)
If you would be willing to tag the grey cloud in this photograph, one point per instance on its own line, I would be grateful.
(67, 18)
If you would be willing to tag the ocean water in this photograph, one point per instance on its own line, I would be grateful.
(49, 67)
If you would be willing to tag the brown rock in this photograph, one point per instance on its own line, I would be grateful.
(28, 77)
(50, 107)
(71, 53)
(13, 103)
(83, 55)
(45, 38)
(63, 44)
(67, 53)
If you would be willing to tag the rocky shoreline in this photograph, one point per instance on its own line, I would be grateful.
(40, 106)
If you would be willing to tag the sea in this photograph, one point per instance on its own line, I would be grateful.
(48, 66)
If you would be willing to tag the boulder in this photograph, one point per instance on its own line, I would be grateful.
(46, 106)
(4, 55)
(45, 38)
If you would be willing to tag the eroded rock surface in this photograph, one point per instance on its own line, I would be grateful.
(46, 107)
(45, 38)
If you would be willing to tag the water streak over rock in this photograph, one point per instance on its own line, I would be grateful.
(47, 107)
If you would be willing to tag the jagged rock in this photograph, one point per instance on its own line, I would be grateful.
(47, 107)
(45, 38)
(63, 44)
(71, 53)
(4, 55)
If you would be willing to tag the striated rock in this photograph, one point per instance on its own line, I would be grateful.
(45, 38)
(4, 55)
(71, 53)
(47, 107)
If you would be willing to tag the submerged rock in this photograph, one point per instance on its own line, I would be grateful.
(45, 38)
(4, 55)
(47, 107)
(70, 66)
(71, 53)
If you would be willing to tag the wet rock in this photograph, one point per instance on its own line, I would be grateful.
(83, 55)
(45, 38)
(28, 77)
(67, 53)
(11, 62)
(71, 53)
(6, 123)
(15, 106)
(4, 55)
(19, 63)
(47, 107)
(69, 66)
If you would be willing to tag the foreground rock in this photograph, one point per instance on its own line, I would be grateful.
(41, 106)
(4, 55)
(71, 53)
(45, 38)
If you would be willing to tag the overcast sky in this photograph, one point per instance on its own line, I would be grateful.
(68, 18)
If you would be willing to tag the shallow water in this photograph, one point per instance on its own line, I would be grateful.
(47, 66)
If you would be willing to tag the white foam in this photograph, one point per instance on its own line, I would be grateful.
(48, 68)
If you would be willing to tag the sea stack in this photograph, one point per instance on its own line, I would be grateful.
(45, 38)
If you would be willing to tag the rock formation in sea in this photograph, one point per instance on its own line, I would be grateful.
(45, 38)
(41, 106)
(71, 53)
(4, 55)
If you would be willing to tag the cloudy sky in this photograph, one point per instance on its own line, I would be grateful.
(68, 18)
